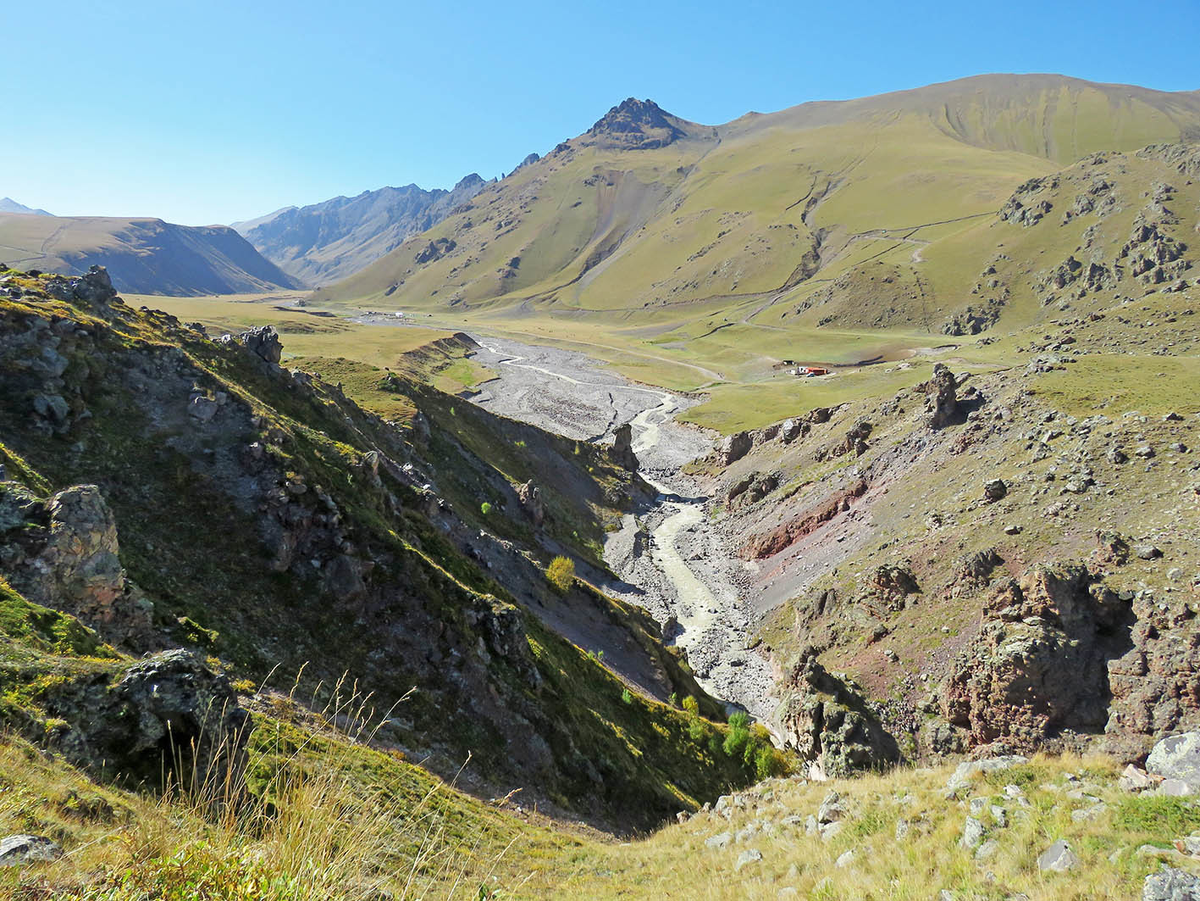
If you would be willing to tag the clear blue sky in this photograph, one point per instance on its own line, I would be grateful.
(202, 112)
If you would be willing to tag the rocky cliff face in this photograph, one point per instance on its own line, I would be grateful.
(828, 723)
(1039, 664)
(62, 552)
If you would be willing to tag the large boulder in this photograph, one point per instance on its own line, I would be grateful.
(1170, 884)
(1178, 758)
(18, 850)
(166, 715)
(263, 341)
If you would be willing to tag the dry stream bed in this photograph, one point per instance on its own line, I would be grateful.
(668, 558)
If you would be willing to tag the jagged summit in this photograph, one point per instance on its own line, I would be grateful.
(474, 180)
(635, 125)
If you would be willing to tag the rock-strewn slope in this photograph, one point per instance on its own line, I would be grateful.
(1000, 557)
(255, 514)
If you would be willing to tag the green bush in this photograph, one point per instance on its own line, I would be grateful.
(738, 738)
(561, 574)
(485, 508)
(691, 705)
(767, 763)
(627, 696)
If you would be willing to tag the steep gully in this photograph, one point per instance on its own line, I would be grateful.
(683, 575)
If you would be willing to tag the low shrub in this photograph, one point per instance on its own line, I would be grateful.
(561, 574)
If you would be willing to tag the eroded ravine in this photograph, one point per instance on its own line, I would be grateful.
(682, 575)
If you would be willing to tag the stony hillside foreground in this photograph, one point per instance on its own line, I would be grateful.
(225, 581)
(187, 498)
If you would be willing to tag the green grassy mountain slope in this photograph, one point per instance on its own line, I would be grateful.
(1053, 116)
(682, 221)
(146, 256)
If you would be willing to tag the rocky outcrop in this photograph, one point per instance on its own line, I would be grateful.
(974, 319)
(94, 288)
(166, 714)
(827, 723)
(941, 397)
(778, 539)
(1150, 255)
(975, 570)
(63, 553)
(1039, 664)
(634, 125)
(435, 250)
(264, 341)
(1153, 684)
(893, 583)
(855, 440)
(622, 449)
(1027, 206)
(733, 447)
(530, 497)
(752, 488)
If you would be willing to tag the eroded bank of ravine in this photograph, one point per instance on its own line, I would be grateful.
(667, 558)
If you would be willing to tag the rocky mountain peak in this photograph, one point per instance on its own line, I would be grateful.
(636, 125)
(474, 181)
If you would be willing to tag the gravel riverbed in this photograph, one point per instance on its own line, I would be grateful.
(669, 559)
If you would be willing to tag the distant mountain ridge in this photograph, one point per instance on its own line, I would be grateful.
(647, 215)
(143, 255)
(8, 205)
(324, 242)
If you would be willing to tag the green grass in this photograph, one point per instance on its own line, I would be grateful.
(1117, 383)
(46, 630)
